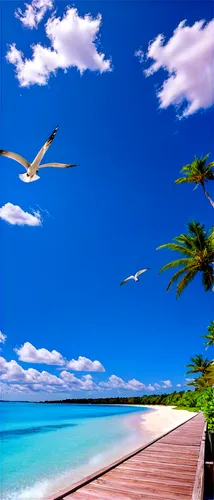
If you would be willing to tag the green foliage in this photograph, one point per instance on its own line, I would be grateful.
(183, 399)
(198, 172)
(198, 247)
(209, 336)
(198, 364)
(186, 408)
(206, 404)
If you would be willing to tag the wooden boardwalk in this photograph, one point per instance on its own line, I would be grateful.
(170, 468)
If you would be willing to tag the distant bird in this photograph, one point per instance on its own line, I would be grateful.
(135, 277)
(33, 168)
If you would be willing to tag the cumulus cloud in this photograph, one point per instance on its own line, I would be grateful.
(72, 44)
(85, 383)
(166, 383)
(178, 385)
(85, 365)
(187, 57)
(15, 388)
(11, 371)
(118, 383)
(30, 380)
(33, 13)
(150, 387)
(2, 338)
(16, 216)
(30, 354)
(34, 380)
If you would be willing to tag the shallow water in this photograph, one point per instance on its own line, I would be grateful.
(45, 447)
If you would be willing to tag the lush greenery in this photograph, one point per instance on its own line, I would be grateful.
(210, 335)
(198, 365)
(197, 247)
(187, 399)
(206, 404)
(198, 172)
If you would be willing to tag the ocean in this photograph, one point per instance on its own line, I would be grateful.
(46, 447)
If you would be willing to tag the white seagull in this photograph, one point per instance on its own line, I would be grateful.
(33, 168)
(135, 276)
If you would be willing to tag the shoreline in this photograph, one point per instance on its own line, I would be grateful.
(146, 427)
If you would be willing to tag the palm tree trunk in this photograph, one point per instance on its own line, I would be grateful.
(207, 195)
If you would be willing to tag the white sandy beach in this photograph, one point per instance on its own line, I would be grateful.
(163, 419)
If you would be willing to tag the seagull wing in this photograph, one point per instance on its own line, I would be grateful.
(141, 272)
(59, 165)
(127, 279)
(45, 147)
(15, 157)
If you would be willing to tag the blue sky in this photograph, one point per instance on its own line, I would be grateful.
(60, 281)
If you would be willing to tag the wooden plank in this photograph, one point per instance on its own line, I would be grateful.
(158, 475)
(198, 489)
(189, 469)
(148, 493)
(136, 486)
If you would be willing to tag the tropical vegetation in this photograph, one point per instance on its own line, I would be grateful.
(197, 247)
(198, 172)
(198, 365)
(209, 336)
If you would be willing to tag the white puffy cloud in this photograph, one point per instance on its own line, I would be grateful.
(72, 44)
(85, 383)
(11, 389)
(166, 383)
(30, 354)
(118, 383)
(11, 371)
(187, 57)
(2, 338)
(83, 364)
(16, 216)
(33, 380)
(157, 386)
(150, 387)
(178, 385)
(33, 13)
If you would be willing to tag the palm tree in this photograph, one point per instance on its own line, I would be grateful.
(200, 383)
(197, 246)
(210, 335)
(198, 365)
(198, 173)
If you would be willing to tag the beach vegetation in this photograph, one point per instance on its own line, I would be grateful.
(197, 250)
(198, 172)
(209, 336)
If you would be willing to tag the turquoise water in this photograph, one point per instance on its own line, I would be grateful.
(45, 447)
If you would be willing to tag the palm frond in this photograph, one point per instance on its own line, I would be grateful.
(176, 276)
(185, 281)
(183, 180)
(179, 262)
(176, 248)
(208, 278)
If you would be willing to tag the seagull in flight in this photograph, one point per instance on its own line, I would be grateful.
(33, 168)
(135, 277)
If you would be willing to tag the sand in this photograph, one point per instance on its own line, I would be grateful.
(163, 419)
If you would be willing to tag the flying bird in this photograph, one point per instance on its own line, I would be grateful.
(135, 277)
(33, 168)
